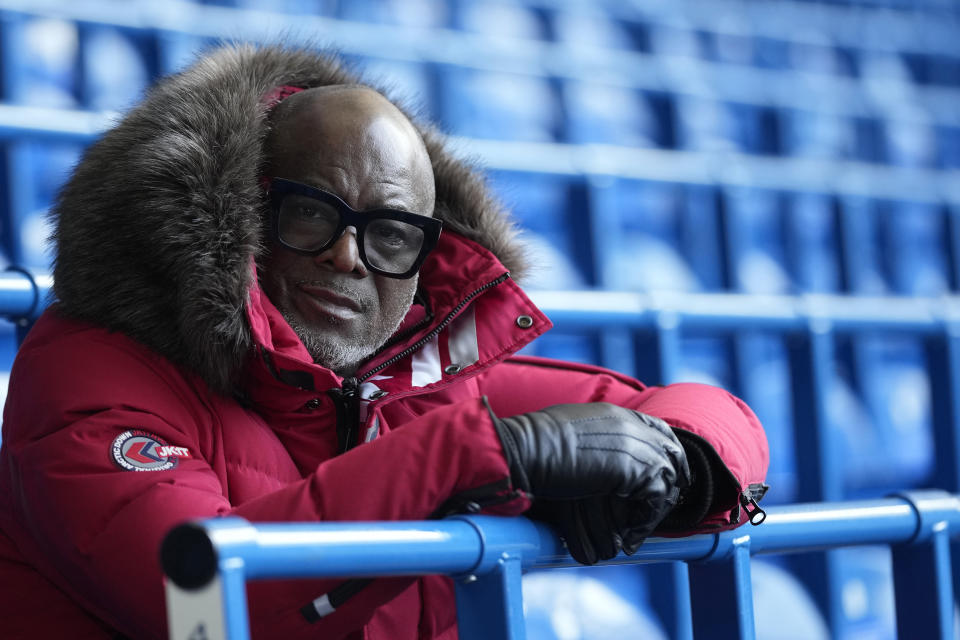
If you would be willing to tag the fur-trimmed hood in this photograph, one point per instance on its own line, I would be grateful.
(156, 228)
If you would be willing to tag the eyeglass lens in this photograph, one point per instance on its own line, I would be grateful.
(309, 224)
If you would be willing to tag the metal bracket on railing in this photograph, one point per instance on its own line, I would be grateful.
(22, 297)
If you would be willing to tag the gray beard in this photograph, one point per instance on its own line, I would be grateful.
(344, 358)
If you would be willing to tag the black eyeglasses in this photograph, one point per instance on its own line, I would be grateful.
(309, 221)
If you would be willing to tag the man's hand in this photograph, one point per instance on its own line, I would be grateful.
(605, 476)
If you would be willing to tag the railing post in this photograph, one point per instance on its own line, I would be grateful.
(943, 365)
(670, 598)
(490, 606)
(922, 577)
(722, 596)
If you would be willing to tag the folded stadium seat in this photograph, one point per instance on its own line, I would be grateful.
(866, 593)
(754, 225)
(705, 124)
(176, 50)
(755, 127)
(408, 13)
(813, 51)
(607, 114)
(600, 604)
(552, 214)
(638, 236)
(730, 40)
(115, 68)
(910, 140)
(586, 26)
(948, 145)
(913, 245)
(498, 106)
(409, 82)
(863, 267)
(499, 18)
(816, 134)
(782, 608)
(41, 168)
(700, 237)
(46, 52)
(812, 246)
(895, 386)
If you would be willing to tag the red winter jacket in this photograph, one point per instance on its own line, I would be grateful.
(163, 386)
(80, 532)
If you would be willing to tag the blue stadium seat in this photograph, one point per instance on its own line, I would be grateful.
(914, 247)
(705, 124)
(755, 228)
(602, 604)
(608, 114)
(811, 238)
(587, 26)
(948, 146)
(706, 359)
(574, 346)
(783, 608)
(409, 82)
(895, 387)
(546, 208)
(408, 13)
(115, 69)
(45, 61)
(639, 236)
(700, 236)
(41, 169)
(816, 134)
(867, 593)
(910, 139)
(499, 106)
(499, 18)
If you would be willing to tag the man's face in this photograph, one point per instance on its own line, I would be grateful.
(353, 143)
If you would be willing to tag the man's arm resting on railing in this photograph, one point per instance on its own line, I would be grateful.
(725, 442)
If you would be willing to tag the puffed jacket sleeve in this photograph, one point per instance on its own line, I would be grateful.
(95, 529)
(710, 421)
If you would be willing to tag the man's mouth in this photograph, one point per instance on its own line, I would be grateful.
(330, 302)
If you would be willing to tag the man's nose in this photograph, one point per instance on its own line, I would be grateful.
(344, 255)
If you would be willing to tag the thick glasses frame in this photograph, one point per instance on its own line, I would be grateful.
(280, 188)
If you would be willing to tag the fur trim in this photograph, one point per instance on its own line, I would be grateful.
(155, 230)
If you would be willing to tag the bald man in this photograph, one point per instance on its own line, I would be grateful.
(353, 143)
(278, 298)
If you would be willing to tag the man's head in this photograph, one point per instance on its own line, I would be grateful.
(353, 143)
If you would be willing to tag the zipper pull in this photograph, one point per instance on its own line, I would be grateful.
(346, 399)
(756, 514)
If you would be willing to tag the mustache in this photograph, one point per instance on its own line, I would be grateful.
(339, 287)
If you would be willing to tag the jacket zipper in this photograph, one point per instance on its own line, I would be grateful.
(756, 514)
(346, 399)
(436, 330)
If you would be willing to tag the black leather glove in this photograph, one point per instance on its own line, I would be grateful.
(605, 476)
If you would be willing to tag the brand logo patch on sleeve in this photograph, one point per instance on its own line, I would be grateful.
(136, 450)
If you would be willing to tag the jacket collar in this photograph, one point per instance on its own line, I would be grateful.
(470, 322)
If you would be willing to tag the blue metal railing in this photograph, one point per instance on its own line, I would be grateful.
(486, 556)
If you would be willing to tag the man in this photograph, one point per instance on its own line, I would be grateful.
(258, 314)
